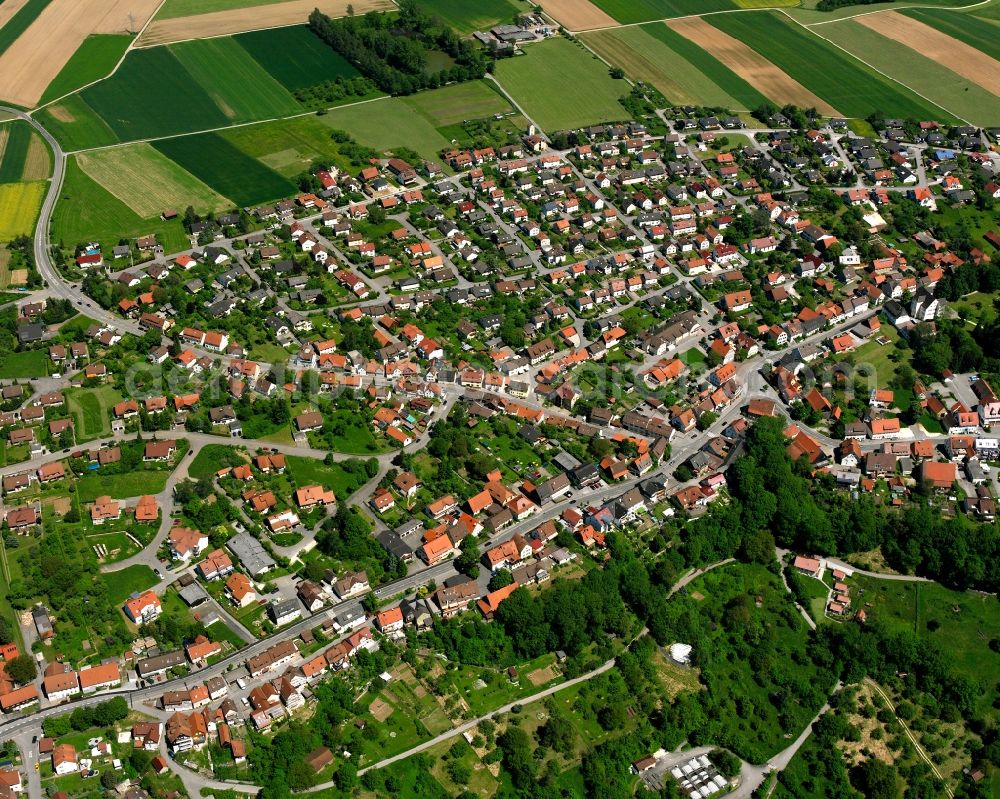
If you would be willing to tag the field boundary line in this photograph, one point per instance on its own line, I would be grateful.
(877, 70)
(117, 66)
(222, 127)
(899, 8)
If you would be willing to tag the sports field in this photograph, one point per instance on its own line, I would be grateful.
(956, 92)
(560, 85)
(388, 123)
(94, 60)
(221, 17)
(459, 102)
(466, 17)
(964, 27)
(148, 182)
(19, 204)
(86, 211)
(295, 57)
(681, 70)
(844, 83)
(240, 86)
(225, 169)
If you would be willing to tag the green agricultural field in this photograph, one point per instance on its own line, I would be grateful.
(951, 91)
(963, 624)
(309, 471)
(120, 486)
(225, 169)
(964, 27)
(561, 85)
(677, 67)
(295, 56)
(388, 123)
(75, 124)
(86, 211)
(153, 94)
(15, 151)
(20, 22)
(19, 207)
(148, 182)
(848, 85)
(475, 99)
(94, 60)
(287, 146)
(631, 11)
(234, 80)
(186, 8)
(132, 579)
(466, 17)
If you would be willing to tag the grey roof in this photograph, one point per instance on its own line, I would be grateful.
(250, 553)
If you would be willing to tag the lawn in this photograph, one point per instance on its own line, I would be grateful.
(20, 22)
(681, 70)
(211, 459)
(15, 150)
(30, 363)
(75, 124)
(632, 11)
(224, 168)
(295, 57)
(148, 182)
(120, 486)
(387, 123)
(561, 85)
(963, 624)
(957, 94)
(466, 17)
(309, 471)
(19, 205)
(86, 211)
(959, 26)
(91, 408)
(93, 60)
(881, 361)
(122, 584)
(240, 86)
(474, 99)
(846, 84)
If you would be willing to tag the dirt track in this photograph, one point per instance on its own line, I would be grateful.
(950, 53)
(238, 20)
(29, 65)
(749, 65)
(579, 15)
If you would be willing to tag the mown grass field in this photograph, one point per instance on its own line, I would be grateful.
(964, 27)
(125, 582)
(94, 60)
(15, 151)
(295, 56)
(466, 17)
(30, 363)
(20, 22)
(934, 81)
(148, 182)
(681, 70)
(561, 85)
(86, 211)
(220, 165)
(388, 123)
(120, 486)
(75, 124)
(19, 205)
(91, 409)
(240, 87)
(309, 471)
(456, 103)
(847, 84)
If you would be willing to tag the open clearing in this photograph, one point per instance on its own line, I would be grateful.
(459, 102)
(32, 62)
(148, 182)
(237, 20)
(932, 78)
(957, 56)
(579, 15)
(19, 204)
(561, 85)
(749, 65)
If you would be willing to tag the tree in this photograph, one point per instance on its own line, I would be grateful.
(21, 669)
(617, 73)
(500, 579)
(517, 757)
